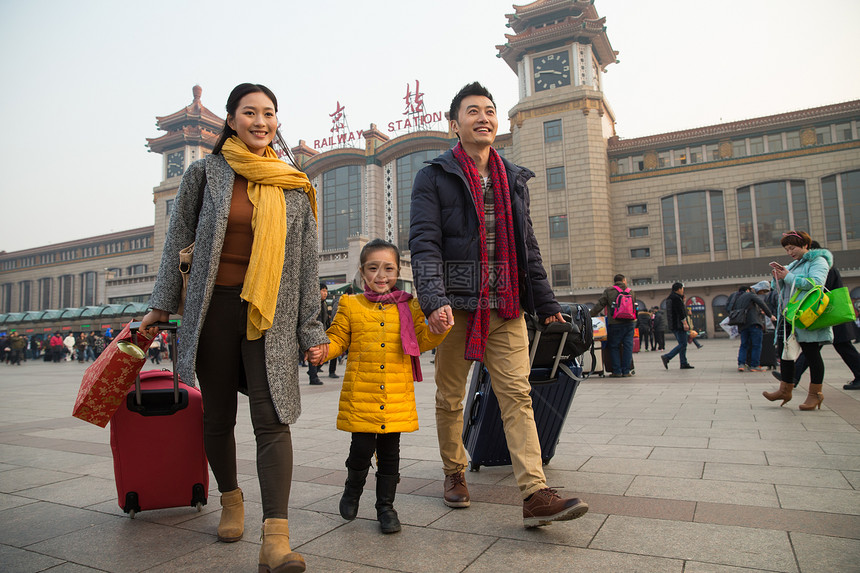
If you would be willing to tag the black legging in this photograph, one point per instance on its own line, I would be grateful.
(812, 355)
(386, 446)
(225, 357)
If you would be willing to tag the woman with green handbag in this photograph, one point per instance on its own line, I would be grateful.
(843, 334)
(808, 270)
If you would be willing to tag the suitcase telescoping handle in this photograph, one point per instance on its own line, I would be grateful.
(170, 326)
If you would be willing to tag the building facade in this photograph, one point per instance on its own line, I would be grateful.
(705, 206)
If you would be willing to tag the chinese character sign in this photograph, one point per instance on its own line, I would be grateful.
(337, 119)
(414, 101)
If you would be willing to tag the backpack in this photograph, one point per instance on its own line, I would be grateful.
(738, 317)
(623, 307)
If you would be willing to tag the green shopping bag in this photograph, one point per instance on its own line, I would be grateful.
(804, 307)
(839, 310)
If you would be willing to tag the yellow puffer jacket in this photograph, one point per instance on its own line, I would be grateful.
(378, 395)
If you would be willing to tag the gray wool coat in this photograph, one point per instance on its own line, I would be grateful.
(295, 327)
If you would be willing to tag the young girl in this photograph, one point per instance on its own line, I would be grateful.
(384, 331)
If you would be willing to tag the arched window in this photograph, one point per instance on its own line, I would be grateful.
(341, 206)
(696, 221)
(408, 167)
(840, 195)
(718, 305)
(767, 210)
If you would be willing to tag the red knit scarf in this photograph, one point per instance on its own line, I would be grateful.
(507, 279)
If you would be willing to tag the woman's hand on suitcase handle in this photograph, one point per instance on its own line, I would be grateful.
(153, 316)
(557, 317)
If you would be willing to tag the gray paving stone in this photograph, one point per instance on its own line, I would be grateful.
(820, 460)
(738, 493)
(776, 475)
(15, 560)
(8, 501)
(718, 544)
(506, 521)
(123, 545)
(819, 499)
(820, 554)
(664, 441)
(765, 445)
(78, 492)
(28, 524)
(698, 567)
(524, 556)
(648, 467)
(413, 549)
(708, 455)
(853, 478)
(23, 478)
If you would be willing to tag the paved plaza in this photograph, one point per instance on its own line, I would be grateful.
(685, 472)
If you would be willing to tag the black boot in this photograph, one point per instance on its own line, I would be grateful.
(386, 487)
(352, 492)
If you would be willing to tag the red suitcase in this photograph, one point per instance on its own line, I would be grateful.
(156, 437)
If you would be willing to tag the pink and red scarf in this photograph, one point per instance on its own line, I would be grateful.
(507, 279)
(407, 328)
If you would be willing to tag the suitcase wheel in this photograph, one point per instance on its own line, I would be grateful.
(132, 505)
(198, 496)
(473, 467)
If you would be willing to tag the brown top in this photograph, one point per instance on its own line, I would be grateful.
(236, 251)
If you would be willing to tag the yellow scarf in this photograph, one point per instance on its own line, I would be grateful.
(266, 176)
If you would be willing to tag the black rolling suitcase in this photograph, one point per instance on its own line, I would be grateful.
(554, 377)
(768, 352)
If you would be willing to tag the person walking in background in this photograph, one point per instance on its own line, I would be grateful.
(661, 325)
(809, 268)
(383, 326)
(752, 330)
(323, 318)
(251, 306)
(477, 267)
(57, 347)
(620, 304)
(69, 343)
(644, 322)
(676, 315)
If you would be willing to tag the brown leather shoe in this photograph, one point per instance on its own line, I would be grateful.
(456, 492)
(545, 506)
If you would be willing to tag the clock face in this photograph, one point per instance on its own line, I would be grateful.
(175, 164)
(551, 71)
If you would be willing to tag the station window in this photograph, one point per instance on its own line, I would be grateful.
(552, 131)
(634, 232)
(641, 253)
(555, 178)
(638, 209)
(774, 142)
(822, 135)
(561, 275)
(558, 226)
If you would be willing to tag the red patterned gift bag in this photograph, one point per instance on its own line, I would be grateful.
(106, 381)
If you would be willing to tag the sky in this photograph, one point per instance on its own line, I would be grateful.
(84, 81)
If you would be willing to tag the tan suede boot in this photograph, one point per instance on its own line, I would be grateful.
(814, 398)
(275, 553)
(232, 524)
(784, 393)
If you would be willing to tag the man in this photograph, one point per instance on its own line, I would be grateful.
(752, 330)
(477, 266)
(313, 369)
(620, 330)
(676, 313)
(661, 325)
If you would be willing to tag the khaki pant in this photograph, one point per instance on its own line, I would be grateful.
(507, 359)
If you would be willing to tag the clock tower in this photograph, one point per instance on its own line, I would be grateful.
(191, 134)
(560, 127)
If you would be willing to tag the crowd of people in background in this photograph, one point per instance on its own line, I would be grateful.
(58, 346)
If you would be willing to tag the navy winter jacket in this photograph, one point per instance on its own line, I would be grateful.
(445, 244)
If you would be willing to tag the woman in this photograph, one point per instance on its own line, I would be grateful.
(250, 308)
(808, 265)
